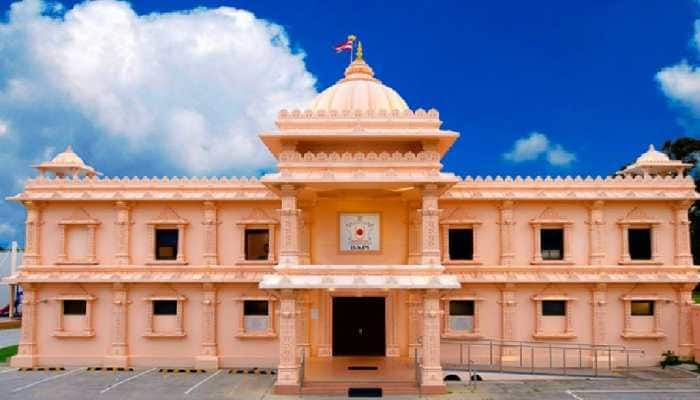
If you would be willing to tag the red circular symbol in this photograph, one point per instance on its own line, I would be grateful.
(359, 232)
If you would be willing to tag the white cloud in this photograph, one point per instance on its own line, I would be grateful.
(681, 82)
(559, 156)
(195, 87)
(6, 229)
(528, 148)
(532, 147)
(179, 93)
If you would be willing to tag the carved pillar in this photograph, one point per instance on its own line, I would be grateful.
(508, 304)
(392, 347)
(431, 369)
(599, 314)
(288, 370)
(119, 352)
(507, 226)
(180, 243)
(303, 326)
(123, 230)
(289, 226)
(305, 238)
(32, 249)
(414, 236)
(325, 322)
(681, 233)
(210, 233)
(596, 234)
(27, 352)
(414, 324)
(430, 252)
(208, 357)
(685, 325)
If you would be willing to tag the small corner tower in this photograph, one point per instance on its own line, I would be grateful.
(66, 164)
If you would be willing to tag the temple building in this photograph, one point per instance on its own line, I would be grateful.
(358, 246)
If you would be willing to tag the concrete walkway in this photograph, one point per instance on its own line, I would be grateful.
(8, 337)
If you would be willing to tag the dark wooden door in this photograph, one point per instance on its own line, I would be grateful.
(358, 326)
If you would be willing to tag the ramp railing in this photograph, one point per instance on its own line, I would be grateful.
(579, 359)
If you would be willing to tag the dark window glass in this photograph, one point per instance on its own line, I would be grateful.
(552, 244)
(255, 307)
(642, 307)
(554, 308)
(74, 307)
(164, 307)
(639, 243)
(461, 308)
(166, 244)
(461, 244)
(257, 244)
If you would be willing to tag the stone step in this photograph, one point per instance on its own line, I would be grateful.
(341, 387)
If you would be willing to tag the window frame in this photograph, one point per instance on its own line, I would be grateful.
(657, 332)
(78, 219)
(449, 242)
(88, 330)
(550, 219)
(245, 243)
(540, 332)
(637, 219)
(168, 219)
(155, 242)
(271, 331)
(457, 220)
(179, 318)
(257, 219)
(447, 331)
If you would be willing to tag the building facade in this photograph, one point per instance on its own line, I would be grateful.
(359, 245)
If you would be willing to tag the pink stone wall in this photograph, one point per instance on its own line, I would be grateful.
(696, 331)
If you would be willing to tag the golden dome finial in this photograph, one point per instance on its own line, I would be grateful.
(359, 56)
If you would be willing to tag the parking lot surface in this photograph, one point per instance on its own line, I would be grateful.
(82, 384)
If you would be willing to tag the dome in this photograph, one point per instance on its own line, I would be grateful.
(66, 163)
(358, 91)
(68, 157)
(652, 156)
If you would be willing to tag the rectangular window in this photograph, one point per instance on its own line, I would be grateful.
(166, 244)
(74, 307)
(639, 241)
(164, 307)
(256, 315)
(257, 244)
(554, 308)
(461, 244)
(642, 307)
(552, 244)
(461, 318)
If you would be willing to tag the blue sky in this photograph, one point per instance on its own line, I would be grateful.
(583, 87)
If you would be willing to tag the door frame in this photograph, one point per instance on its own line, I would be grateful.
(389, 319)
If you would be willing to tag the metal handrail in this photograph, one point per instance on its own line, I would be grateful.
(551, 347)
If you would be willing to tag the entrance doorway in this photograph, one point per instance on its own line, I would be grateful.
(358, 326)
